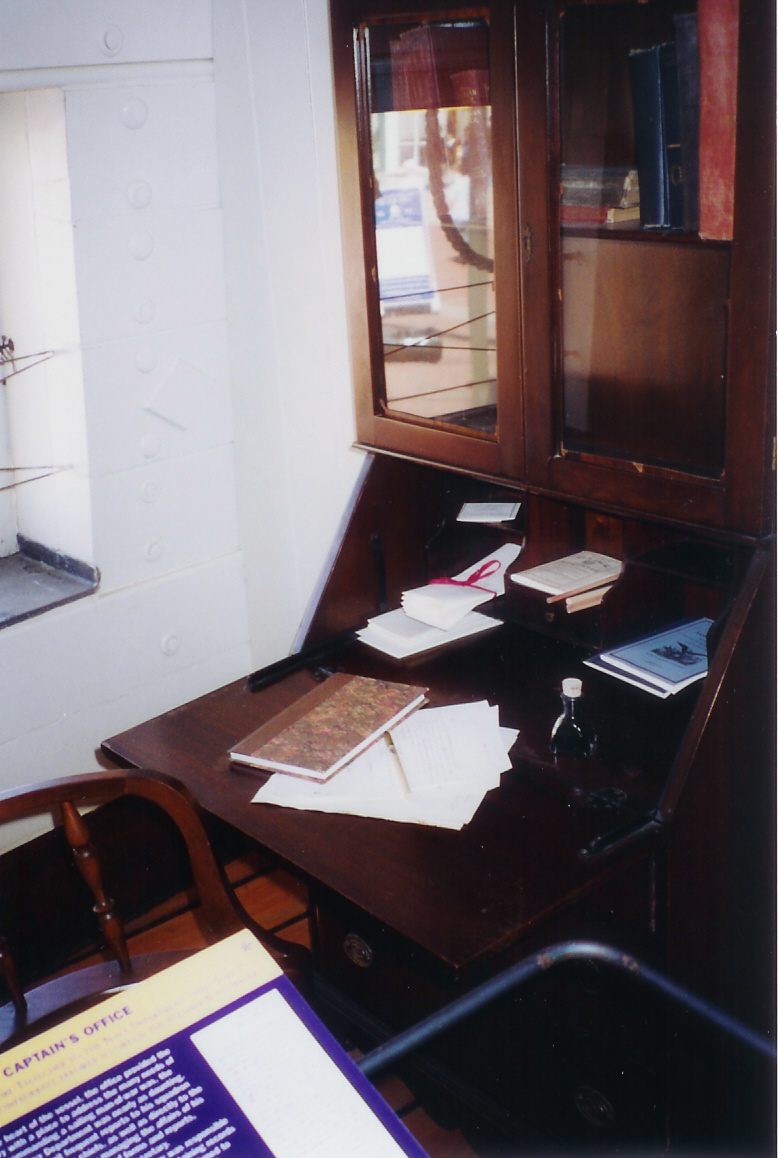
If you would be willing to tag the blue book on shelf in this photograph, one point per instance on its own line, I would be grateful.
(646, 75)
(665, 108)
(675, 162)
(688, 64)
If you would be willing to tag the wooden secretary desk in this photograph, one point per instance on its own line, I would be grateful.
(547, 305)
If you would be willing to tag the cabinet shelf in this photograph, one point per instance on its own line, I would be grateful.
(628, 231)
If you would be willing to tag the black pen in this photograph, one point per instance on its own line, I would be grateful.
(307, 657)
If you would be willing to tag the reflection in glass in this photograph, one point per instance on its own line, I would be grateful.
(430, 122)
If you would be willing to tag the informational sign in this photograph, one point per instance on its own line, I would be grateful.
(217, 1055)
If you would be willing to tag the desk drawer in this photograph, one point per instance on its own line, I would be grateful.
(382, 972)
(571, 1054)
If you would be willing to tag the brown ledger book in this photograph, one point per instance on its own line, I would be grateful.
(329, 726)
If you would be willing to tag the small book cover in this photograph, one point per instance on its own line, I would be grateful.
(672, 658)
(571, 574)
(329, 726)
(664, 662)
(600, 663)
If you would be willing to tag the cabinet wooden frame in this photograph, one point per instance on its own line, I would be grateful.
(500, 454)
(740, 497)
(528, 446)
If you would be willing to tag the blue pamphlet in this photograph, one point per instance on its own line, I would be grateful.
(663, 662)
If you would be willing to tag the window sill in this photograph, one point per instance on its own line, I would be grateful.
(37, 579)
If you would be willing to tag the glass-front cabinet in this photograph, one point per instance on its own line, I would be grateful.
(644, 301)
(428, 99)
(431, 157)
(558, 227)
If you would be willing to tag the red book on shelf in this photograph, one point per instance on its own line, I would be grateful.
(717, 30)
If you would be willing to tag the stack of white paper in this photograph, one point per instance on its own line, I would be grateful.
(441, 612)
(436, 769)
(443, 606)
(396, 634)
(444, 603)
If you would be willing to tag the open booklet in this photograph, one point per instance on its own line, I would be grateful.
(217, 1055)
(435, 769)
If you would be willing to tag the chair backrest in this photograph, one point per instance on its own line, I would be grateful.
(219, 913)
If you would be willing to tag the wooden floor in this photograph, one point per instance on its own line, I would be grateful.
(279, 903)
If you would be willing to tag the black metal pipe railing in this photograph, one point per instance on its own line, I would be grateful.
(408, 1040)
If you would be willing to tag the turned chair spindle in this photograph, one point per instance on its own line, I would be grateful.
(88, 863)
(73, 986)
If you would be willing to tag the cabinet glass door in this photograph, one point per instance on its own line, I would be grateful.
(430, 128)
(644, 281)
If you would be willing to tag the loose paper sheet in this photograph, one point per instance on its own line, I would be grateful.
(458, 744)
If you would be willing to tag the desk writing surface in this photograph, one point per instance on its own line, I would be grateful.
(462, 896)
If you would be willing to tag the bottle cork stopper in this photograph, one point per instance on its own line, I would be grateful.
(571, 688)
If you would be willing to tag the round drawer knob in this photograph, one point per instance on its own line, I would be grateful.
(358, 951)
(594, 1107)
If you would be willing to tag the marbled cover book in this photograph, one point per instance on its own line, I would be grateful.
(329, 726)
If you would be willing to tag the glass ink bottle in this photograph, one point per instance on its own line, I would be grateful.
(573, 733)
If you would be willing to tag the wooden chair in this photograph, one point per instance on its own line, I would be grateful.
(219, 914)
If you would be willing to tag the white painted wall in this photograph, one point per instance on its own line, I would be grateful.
(211, 331)
(286, 307)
